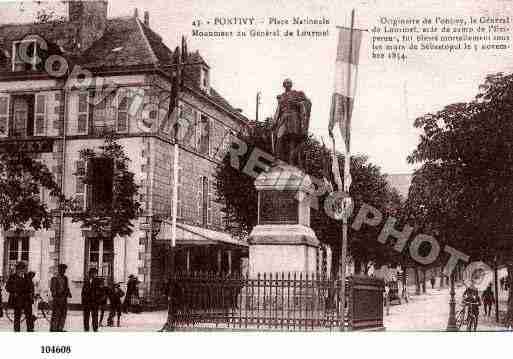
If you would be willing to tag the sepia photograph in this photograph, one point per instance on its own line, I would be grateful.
(239, 166)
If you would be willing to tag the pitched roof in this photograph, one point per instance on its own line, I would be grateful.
(133, 43)
(122, 44)
(161, 51)
(62, 33)
(126, 42)
(214, 96)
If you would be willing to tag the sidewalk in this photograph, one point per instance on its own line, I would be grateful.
(425, 312)
(143, 322)
(430, 312)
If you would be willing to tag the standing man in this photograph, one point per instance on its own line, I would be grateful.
(59, 287)
(488, 299)
(21, 294)
(290, 124)
(91, 292)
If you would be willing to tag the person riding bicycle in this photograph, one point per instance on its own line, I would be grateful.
(472, 300)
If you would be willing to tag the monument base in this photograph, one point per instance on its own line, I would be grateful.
(282, 249)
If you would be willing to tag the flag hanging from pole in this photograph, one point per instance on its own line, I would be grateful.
(346, 70)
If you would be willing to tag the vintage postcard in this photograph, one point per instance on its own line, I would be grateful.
(243, 166)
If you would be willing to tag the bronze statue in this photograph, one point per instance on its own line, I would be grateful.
(290, 125)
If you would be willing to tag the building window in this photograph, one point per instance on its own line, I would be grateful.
(39, 124)
(18, 250)
(103, 114)
(204, 203)
(204, 79)
(226, 142)
(23, 121)
(187, 126)
(99, 191)
(83, 113)
(24, 55)
(203, 135)
(122, 112)
(4, 116)
(100, 255)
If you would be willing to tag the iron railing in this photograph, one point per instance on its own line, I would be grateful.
(272, 301)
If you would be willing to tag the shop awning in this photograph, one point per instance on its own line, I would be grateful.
(192, 235)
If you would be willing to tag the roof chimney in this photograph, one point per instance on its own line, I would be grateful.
(91, 20)
(147, 18)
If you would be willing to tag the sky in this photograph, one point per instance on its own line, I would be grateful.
(389, 96)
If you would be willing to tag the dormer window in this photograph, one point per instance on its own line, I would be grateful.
(205, 81)
(27, 55)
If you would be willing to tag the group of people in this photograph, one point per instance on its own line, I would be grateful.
(20, 287)
(94, 297)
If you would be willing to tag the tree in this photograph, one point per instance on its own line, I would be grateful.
(465, 183)
(21, 179)
(113, 203)
(369, 186)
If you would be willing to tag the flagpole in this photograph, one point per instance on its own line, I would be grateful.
(176, 82)
(343, 249)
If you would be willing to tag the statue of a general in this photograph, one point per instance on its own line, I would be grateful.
(290, 125)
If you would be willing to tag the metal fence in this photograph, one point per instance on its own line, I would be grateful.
(275, 301)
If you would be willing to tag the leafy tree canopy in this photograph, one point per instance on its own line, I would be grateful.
(21, 179)
(464, 187)
(114, 217)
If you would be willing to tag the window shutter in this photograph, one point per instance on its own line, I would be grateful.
(83, 113)
(122, 113)
(200, 199)
(209, 201)
(197, 131)
(210, 138)
(79, 183)
(4, 116)
(39, 115)
(179, 195)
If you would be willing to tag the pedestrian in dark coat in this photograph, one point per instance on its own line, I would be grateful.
(59, 287)
(433, 280)
(115, 295)
(103, 296)
(488, 298)
(21, 296)
(132, 295)
(91, 296)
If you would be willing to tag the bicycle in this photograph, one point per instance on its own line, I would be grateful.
(40, 310)
(470, 320)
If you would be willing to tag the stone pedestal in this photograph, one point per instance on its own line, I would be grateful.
(283, 241)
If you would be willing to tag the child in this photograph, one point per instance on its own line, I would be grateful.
(115, 295)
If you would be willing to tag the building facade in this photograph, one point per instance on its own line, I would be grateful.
(66, 85)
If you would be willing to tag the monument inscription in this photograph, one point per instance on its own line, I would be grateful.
(278, 207)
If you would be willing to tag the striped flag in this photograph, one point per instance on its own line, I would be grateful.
(346, 69)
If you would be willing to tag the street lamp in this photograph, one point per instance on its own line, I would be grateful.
(451, 323)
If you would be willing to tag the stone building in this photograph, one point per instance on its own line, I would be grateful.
(65, 85)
